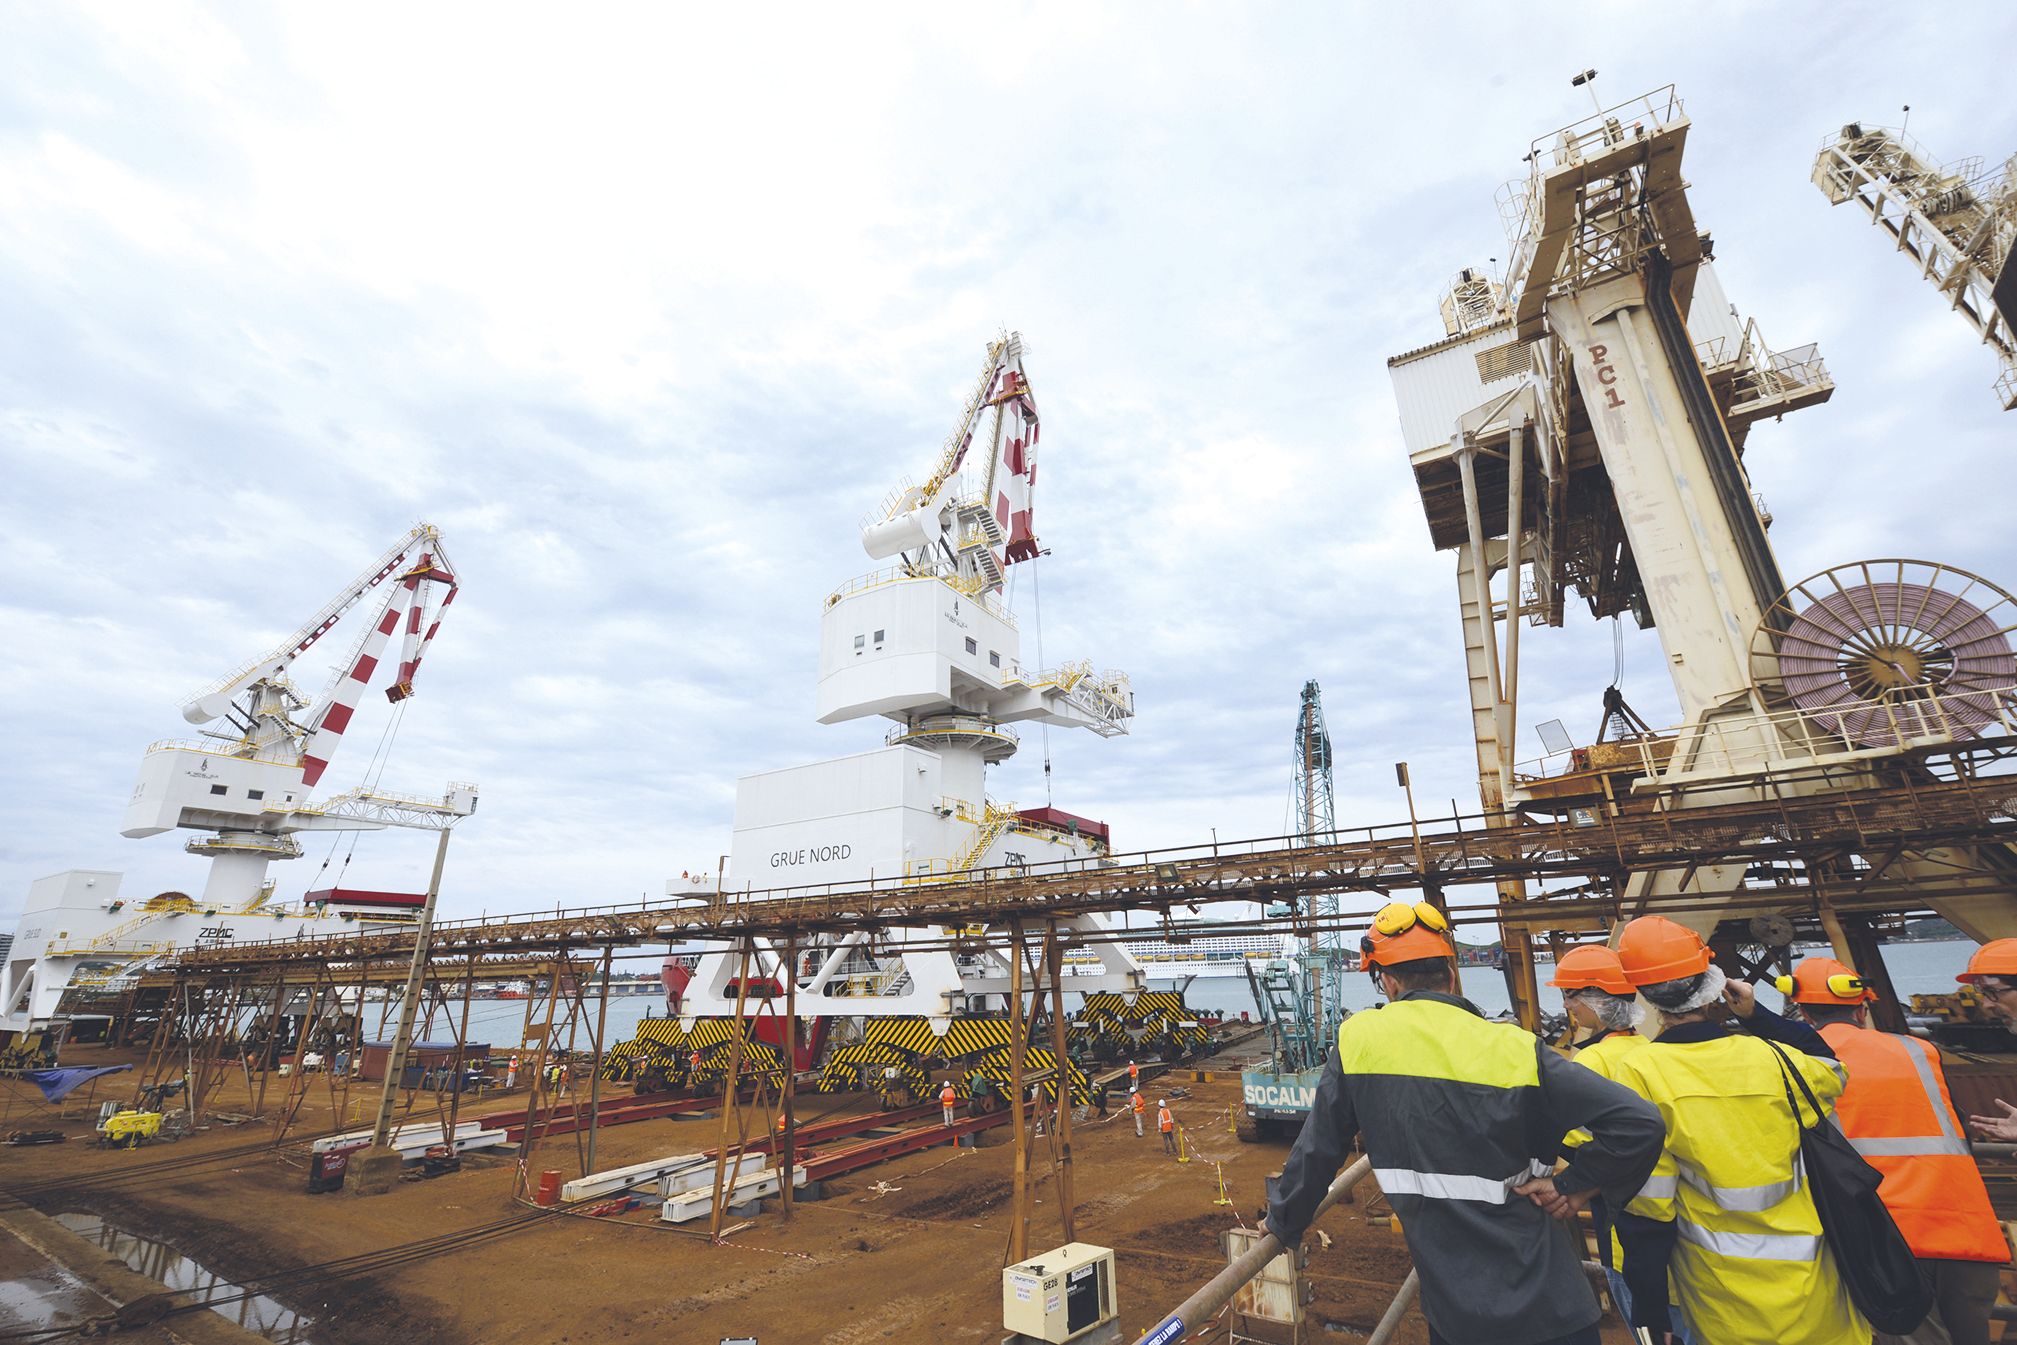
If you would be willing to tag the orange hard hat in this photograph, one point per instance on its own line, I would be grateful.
(1406, 933)
(1998, 957)
(1823, 980)
(1591, 966)
(1653, 949)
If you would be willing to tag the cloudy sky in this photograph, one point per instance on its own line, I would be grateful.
(646, 308)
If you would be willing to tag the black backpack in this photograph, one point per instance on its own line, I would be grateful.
(1875, 1261)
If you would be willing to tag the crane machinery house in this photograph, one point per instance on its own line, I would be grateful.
(929, 645)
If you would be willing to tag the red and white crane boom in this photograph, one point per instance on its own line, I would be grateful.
(215, 701)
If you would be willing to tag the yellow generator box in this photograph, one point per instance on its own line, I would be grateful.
(1063, 1295)
(130, 1127)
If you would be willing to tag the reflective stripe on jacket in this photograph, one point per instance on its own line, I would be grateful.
(1897, 1113)
(1750, 1263)
(1454, 1111)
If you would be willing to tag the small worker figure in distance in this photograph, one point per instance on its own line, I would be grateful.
(511, 1073)
(1140, 1105)
(1134, 1077)
(1167, 1124)
(947, 1099)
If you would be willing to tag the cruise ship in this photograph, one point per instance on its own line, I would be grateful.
(1175, 953)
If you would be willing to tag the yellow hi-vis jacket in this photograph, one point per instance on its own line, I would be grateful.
(1602, 1053)
(1749, 1263)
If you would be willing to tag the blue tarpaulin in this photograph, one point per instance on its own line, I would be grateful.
(57, 1084)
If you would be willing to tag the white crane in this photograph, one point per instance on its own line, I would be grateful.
(249, 786)
(929, 644)
(1956, 223)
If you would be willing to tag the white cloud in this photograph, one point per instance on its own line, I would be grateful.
(647, 306)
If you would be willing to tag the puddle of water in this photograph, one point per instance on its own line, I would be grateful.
(51, 1296)
(260, 1315)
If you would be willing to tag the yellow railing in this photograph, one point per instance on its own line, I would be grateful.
(898, 575)
(206, 749)
(98, 947)
(993, 824)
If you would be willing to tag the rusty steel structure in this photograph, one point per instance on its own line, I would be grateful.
(1850, 858)
(1838, 850)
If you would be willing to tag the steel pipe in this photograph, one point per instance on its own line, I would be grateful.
(1404, 1298)
(1222, 1286)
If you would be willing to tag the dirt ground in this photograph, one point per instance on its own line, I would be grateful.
(910, 1250)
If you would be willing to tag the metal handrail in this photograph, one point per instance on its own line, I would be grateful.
(1735, 745)
(1220, 1289)
(1660, 106)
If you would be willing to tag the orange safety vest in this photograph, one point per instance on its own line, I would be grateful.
(946, 1097)
(1164, 1120)
(1134, 1071)
(1141, 1103)
(1897, 1113)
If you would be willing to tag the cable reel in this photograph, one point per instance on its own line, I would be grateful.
(1883, 652)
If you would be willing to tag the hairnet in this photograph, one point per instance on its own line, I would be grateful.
(1687, 994)
(1620, 1013)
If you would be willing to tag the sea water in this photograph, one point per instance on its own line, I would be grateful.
(1916, 968)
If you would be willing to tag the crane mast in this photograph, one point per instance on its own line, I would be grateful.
(1957, 224)
(1324, 955)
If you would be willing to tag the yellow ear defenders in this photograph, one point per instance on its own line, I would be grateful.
(1397, 917)
(1404, 931)
(1840, 985)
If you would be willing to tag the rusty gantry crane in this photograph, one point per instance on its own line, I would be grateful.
(1581, 429)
